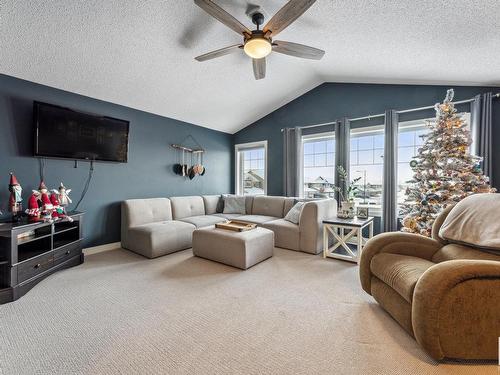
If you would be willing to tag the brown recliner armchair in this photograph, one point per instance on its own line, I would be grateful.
(445, 295)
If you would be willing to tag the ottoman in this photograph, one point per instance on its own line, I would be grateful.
(238, 249)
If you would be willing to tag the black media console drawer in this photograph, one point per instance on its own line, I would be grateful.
(68, 251)
(33, 267)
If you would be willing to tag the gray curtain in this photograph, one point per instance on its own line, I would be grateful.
(390, 185)
(292, 162)
(342, 152)
(481, 129)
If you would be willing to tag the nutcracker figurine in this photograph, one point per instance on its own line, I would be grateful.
(15, 199)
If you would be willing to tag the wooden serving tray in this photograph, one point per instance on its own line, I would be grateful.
(236, 226)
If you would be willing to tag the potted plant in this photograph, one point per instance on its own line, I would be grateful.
(347, 192)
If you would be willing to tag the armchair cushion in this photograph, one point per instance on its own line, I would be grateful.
(474, 221)
(400, 272)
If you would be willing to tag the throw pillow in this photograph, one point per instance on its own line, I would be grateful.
(474, 221)
(234, 204)
(293, 216)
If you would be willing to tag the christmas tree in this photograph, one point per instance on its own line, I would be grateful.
(444, 170)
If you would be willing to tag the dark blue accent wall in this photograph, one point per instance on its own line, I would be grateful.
(148, 172)
(331, 101)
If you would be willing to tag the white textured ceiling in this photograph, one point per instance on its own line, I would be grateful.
(141, 53)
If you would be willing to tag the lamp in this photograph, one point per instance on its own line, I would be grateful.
(258, 48)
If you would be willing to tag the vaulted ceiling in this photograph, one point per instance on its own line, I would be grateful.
(141, 53)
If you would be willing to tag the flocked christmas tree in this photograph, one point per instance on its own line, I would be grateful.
(444, 170)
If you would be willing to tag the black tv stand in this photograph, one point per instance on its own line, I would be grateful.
(29, 252)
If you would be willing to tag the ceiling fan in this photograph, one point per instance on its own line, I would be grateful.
(258, 43)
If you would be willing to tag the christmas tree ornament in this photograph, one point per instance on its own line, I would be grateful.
(445, 171)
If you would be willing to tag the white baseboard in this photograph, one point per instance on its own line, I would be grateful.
(102, 248)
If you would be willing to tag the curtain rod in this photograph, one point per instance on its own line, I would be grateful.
(497, 95)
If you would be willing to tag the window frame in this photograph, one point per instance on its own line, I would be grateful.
(239, 167)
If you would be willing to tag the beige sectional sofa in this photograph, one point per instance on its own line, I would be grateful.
(159, 226)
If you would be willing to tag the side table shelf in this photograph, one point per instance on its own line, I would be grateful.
(29, 252)
(344, 231)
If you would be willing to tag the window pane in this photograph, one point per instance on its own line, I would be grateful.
(365, 157)
(354, 144)
(365, 142)
(406, 138)
(330, 146)
(353, 157)
(318, 167)
(405, 154)
(308, 148)
(320, 160)
(308, 160)
(378, 141)
(319, 147)
(378, 156)
(252, 174)
(330, 159)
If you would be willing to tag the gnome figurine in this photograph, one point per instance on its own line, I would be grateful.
(33, 210)
(15, 199)
(45, 206)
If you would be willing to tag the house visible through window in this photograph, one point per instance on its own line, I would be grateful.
(251, 168)
(319, 165)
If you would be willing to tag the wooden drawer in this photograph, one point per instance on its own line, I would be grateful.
(33, 267)
(68, 251)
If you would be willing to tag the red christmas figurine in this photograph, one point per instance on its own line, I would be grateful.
(33, 210)
(46, 206)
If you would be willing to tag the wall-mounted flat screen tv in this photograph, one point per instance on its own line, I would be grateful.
(70, 134)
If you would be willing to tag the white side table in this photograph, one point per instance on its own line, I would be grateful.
(344, 230)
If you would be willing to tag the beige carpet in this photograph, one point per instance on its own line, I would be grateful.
(120, 313)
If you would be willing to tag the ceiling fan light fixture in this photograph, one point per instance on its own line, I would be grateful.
(257, 48)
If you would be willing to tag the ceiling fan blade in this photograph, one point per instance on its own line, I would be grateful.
(220, 52)
(286, 15)
(298, 50)
(259, 68)
(222, 16)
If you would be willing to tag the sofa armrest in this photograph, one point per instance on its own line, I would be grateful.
(395, 243)
(311, 223)
(456, 309)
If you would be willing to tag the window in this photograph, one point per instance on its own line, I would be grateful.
(251, 168)
(367, 162)
(409, 140)
(319, 165)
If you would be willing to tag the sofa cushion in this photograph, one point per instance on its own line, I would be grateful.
(213, 204)
(203, 220)
(187, 206)
(400, 272)
(286, 234)
(143, 211)
(455, 251)
(156, 239)
(228, 216)
(268, 206)
(234, 204)
(293, 216)
(256, 219)
(288, 204)
(474, 221)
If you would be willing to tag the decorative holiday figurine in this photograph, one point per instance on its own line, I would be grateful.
(15, 199)
(33, 210)
(57, 211)
(445, 172)
(64, 198)
(45, 206)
